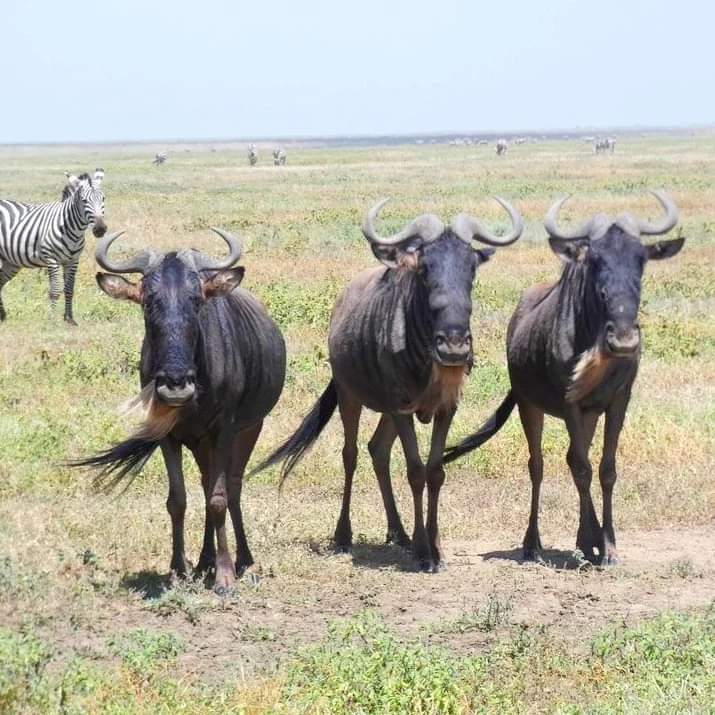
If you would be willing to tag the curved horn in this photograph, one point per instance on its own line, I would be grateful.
(666, 223)
(552, 228)
(472, 232)
(427, 226)
(137, 264)
(234, 253)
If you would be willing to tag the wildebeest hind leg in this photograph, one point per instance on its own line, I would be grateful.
(416, 476)
(581, 426)
(242, 448)
(380, 447)
(532, 420)
(207, 558)
(435, 478)
(176, 504)
(350, 410)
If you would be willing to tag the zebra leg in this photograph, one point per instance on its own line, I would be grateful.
(7, 272)
(53, 270)
(70, 271)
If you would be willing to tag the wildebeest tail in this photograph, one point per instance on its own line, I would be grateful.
(293, 449)
(122, 460)
(485, 432)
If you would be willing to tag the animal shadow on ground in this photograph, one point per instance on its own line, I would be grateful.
(382, 556)
(148, 584)
(556, 559)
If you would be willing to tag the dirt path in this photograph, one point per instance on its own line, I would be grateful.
(485, 592)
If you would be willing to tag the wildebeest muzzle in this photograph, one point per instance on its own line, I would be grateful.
(622, 340)
(175, 387)
(453, 347)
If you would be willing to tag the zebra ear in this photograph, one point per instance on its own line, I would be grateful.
(98, 178)
(72, 180)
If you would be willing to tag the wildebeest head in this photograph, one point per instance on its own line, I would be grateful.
(88, 191)
(614, 258)
(172, 290)
(445, 259)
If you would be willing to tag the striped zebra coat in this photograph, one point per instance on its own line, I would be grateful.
(51, 235)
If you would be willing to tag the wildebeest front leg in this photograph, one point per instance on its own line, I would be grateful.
(176, 504)
(350, 410)
(218, 501)
(615, 414)
(416, 476)
(581, 426)
(532, 420)
(435, 479)
(380, 447)
(242, 449)
(207, 558)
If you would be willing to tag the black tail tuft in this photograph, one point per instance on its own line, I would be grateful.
(293, 449)
(123, 460)
(485, 432)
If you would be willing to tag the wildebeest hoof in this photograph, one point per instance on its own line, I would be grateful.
(342, 549)
(221, 591)
(610, 560)
(205, 567)
(399, 538)
(71, 321)
(439, 566)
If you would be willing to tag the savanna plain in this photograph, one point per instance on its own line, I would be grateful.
(90, 619)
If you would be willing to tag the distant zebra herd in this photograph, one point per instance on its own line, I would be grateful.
(279, 156)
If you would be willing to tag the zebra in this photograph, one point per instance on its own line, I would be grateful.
(604, 145)
(502, 147)
(252, 154)
(159, 158)
(51, 235)
(279, 157)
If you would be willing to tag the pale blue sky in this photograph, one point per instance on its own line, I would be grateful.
(143, 69)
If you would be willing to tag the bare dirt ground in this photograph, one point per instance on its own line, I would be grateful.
(485, 593)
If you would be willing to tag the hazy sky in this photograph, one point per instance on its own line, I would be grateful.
(160, 69)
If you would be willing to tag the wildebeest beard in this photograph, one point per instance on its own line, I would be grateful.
(157, 418)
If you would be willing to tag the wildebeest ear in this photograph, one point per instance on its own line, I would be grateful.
(406, 255)
(485, 254)
(222, 282)
(569, 251)
(664, 249)
(119, 287)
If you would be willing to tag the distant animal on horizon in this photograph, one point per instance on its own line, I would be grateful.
(212, 367)
(252, 154)
(159, 158)
(573, 349)
(279, 157)
(601, 146)
(51, 235)
(502, 147)
(400, 344)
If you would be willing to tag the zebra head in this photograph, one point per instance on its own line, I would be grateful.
(87, 191)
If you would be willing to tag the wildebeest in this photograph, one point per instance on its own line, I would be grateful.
(212, 367)
(573, 349)
(159, 158)
(400, 344)
(279, 157)
(604, 145)
(502, 147)
(252, 154)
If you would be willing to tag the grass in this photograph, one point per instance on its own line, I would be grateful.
(663, 666)
(78, 570)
